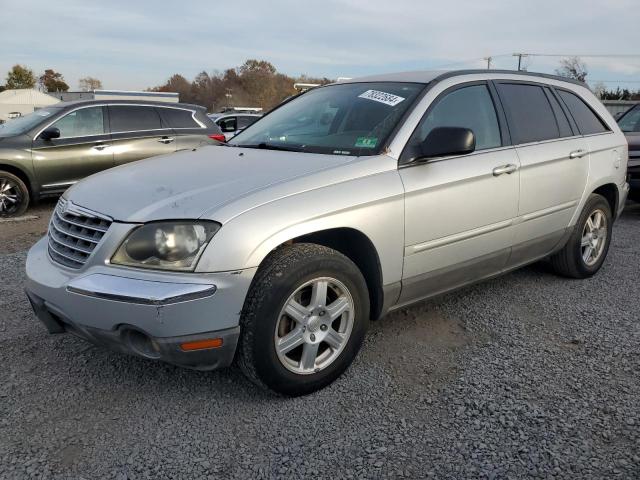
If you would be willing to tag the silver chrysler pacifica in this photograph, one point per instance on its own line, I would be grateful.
(351, 200)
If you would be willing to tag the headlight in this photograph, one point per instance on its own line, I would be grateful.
(171, 245)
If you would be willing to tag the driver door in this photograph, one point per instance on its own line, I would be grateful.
(459, 210)
(82, 149)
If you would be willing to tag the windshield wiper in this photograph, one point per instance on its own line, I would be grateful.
(273, 146)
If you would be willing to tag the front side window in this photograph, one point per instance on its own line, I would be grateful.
(630, 121)
(228, 124)
(81, 123)
(342, 119)
(129, 118)
(467, 107)
(531, 118)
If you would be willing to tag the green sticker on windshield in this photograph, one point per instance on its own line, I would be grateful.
(366, 142)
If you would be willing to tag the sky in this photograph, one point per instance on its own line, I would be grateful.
(133, 45)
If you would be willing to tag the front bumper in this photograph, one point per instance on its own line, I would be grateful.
(145, 313)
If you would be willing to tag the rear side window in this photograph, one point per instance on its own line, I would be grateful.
(529, 112)
(630, 121)
(127, 118)
(467, 107)
(588, 122)
(177, 118)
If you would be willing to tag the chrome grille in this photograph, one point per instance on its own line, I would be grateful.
(74, 233)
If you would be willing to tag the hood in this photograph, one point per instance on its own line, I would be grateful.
(187, 184)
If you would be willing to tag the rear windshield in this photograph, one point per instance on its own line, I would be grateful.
(20, 125)
(342, 119)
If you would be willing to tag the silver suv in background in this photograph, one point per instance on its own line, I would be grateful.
(352, 200)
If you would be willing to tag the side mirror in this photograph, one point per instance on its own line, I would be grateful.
(49, 133)
(445, 141)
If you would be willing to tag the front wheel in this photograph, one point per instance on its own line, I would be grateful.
(587, 248)
(304, 319)
(14, 195)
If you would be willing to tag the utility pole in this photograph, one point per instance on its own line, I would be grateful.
(488, 59)
(520, 55)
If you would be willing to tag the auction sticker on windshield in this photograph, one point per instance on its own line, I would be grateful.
(382, 97)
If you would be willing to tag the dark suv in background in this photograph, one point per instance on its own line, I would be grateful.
(629, 123)
(47, 151)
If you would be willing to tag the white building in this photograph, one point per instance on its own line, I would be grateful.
(16, 103)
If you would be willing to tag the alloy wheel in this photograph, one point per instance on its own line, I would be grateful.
(594, 237)
(314, 325)
(10, 196)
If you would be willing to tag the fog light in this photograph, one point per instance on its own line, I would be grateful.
(201, 344)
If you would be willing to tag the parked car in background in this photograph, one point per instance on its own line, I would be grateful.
(231, 125)
(629, 123)
(339, 206)
(47, 151)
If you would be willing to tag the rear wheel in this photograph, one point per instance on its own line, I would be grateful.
(304, 319)
(587, 248)
(14, 195)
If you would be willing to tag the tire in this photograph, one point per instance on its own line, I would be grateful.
(14, 195)
(571, 261)
(635, 195)
(292, 274)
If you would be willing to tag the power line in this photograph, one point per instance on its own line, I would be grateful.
(595, 55)
(615, 81)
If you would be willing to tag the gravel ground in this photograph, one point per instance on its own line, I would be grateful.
(528, 375)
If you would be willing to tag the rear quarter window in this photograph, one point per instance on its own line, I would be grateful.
(586, 119)
(178, 118)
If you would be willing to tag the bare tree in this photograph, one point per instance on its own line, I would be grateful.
(88, 84)
(573, 67)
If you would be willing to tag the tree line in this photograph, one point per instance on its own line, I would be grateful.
(255, 83)
(21, 76)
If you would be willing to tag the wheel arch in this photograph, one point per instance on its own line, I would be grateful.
(359, 248)
(22, 175)
(610, 192)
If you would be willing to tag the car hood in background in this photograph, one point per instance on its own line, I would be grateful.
(191, 183)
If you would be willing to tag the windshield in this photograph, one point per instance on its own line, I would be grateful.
(630, 121)
(343, 119)
(20, 125)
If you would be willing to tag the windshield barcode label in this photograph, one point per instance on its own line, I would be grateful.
(382, 97)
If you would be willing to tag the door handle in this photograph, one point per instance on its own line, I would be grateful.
(166, 140)
(578, 153)
(100, 146)
(509, 168)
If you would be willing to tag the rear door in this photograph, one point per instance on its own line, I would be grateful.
(554, 165)
(82, 149)
(191, 127)
(137, 132)
(459, 210)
